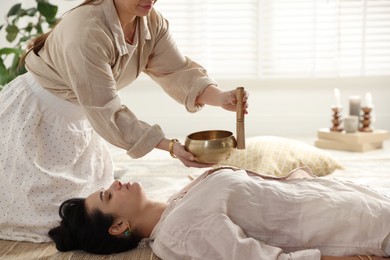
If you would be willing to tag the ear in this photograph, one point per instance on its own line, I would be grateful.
(119, 226)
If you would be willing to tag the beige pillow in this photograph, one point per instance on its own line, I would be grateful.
(278, 156)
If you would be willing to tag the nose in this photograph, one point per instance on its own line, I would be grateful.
(116, 185)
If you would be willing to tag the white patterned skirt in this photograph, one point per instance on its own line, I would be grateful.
(48, 153)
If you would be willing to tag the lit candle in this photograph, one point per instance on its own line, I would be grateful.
(354, 106)
(337, 97)
(368, 99)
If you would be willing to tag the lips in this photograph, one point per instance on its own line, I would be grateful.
(146, 6)
(128, 185)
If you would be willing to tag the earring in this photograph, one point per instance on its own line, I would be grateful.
(127, 232)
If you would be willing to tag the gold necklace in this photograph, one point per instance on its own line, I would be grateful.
(128, 40)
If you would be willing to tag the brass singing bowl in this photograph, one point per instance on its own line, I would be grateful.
(210, 146)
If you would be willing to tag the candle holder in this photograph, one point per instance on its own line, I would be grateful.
(366, 120)
(336, 121)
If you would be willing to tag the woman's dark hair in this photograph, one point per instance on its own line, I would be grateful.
(88, 231)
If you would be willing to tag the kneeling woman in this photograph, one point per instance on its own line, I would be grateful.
(233, 214)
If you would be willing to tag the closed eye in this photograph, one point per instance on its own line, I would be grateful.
(103, 196)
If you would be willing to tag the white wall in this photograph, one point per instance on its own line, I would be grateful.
(279, 107)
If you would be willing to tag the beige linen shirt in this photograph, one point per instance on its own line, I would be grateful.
(233, 214)
(86, 60)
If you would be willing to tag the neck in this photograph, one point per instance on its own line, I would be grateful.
(150, 216)
(125, 18)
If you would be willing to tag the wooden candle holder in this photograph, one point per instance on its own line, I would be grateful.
(336, 121)
(366, 120)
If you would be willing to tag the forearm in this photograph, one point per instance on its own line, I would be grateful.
(163, 145)
(209, 96)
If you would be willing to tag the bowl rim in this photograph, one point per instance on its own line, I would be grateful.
(204, 131)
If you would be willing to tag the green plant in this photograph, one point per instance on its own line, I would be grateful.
(21, 25)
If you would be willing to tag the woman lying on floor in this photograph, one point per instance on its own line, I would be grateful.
(233, 214)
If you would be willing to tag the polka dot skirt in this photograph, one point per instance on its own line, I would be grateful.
(48, 153)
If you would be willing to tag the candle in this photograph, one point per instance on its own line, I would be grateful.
(337, 97)
(354, 106)
(351, 124)
(368, 99)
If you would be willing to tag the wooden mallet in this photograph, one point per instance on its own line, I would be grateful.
(240, 126)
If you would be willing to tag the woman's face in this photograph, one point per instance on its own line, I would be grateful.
(120, 200)
(135, 7)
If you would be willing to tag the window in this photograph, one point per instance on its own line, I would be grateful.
(283, 38)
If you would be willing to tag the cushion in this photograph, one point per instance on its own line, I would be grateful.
(277, 156)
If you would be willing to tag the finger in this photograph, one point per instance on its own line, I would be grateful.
(200, 165)
(246, 96)
(188, 156)
(194, 163)
(246, 105)
(184, 154)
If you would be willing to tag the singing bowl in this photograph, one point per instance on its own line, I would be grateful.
(212, 146)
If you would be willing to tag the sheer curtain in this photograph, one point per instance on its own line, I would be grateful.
(283, 38)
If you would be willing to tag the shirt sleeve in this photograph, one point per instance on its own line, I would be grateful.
(219, 238)
(87, 66)
(179, 76)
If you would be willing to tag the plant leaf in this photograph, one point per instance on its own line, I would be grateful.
(38, 26)
(2, 66)
(22, 69)
(15, 63)
(29, 27)
(49, 11)
(25, 39)
(22, 12)
(14, 10)
(46, 18)
(11, 28)
(31, 11)
(12, 32)
(51, 22)
(8, 51)
(3, 74)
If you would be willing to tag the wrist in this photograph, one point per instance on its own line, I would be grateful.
(171, 146)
